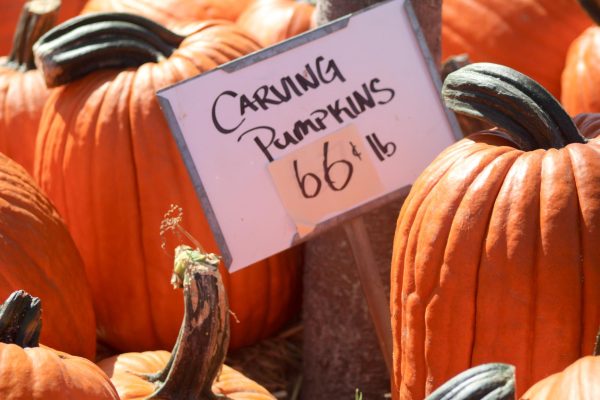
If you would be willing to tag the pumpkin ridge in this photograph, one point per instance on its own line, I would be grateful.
(490, 214)
(485, 184)
(591, 331)
(428, 285)
(581, 246)
(413, 208)
(134, 164)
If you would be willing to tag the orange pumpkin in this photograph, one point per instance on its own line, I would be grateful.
(578, 381)
(580, 77)
(22, 88)
(11, 9)
(172, 12)
(272, 21)
(112, 167)
(195, 369)
(38, 254)
(33, 372)
(495, 256)
(517, 33)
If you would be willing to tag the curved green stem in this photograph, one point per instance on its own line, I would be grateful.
(489, 381)
(37, 17)
(592, 8)
(103, 40)
(20, 320)
(513, 102)
(203, 338)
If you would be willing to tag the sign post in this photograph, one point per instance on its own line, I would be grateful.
(310, 134)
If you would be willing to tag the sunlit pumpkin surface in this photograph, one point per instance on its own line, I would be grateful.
(496, 260)
(531, 36)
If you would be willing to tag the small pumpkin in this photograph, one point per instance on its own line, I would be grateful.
(495, 255)
(11, 9)
(22, 88)
(488, 381)
(109, 162)
(578, 381)
(272, 21)
(580, 77)
(33, 372)
(38, 254)
(518, 34)
(194, 370)
(172, 13)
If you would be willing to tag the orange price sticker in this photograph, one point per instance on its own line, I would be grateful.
(325, 178)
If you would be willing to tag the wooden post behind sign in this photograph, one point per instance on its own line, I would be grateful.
(347, 340)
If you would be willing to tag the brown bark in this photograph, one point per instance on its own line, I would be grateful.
(341, 351)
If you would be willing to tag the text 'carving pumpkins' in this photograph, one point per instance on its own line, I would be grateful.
(107, 159)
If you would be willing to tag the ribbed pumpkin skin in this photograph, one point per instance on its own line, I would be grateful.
(531, 36)
(581, 78)
(172, 12)
(578, 381)
(112, 167)
(40, 373)
(22, 97)
(37, 254)
(272, 21)
(11, 9)
(122, 370)
(495, 260)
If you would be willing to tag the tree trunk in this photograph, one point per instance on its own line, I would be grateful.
(341, 351)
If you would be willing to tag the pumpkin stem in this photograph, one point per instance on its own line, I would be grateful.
(489, 381)
(203, 337)
(592, 8)
(513, 102)
(20, 319)
(37, 17)
(98, 41)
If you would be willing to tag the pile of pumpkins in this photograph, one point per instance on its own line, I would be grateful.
(495, 260)
(88, 168)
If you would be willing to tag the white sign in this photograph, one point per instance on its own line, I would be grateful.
(290, 139)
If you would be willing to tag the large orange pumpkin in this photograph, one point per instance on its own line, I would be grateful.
(112, 167)
(195, 369)
(495, 256)
(22, 88)
(30, 371)
(11, 9)
(172, 12)
(272, 21)
(531, 36)
(37, 254)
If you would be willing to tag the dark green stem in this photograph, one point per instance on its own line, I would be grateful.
(592, 8)
(20, 320)
(37, 17)
(487, 381)
(513, 102)
(203, 338)
(103, 40)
